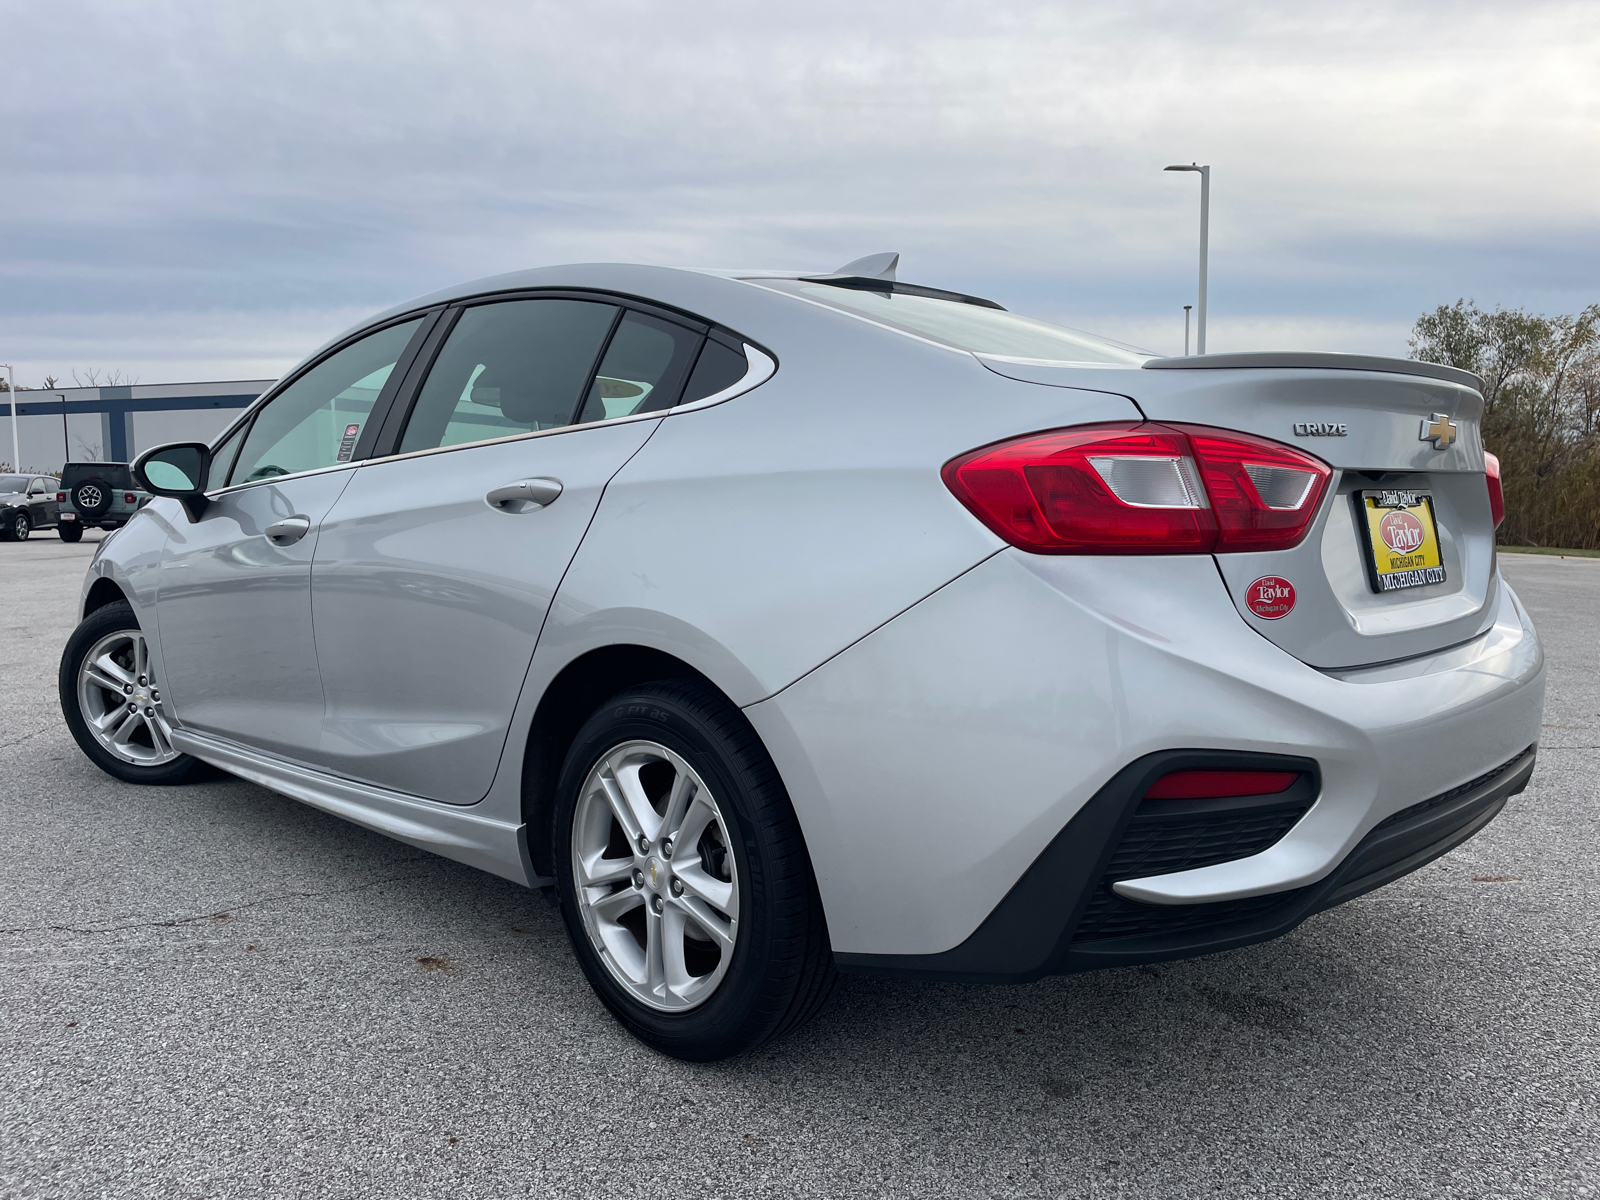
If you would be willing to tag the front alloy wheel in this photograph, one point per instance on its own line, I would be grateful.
(112, 700)
(120, 702)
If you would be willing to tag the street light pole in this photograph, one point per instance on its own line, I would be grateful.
(1186, 309)
(1205, 240)
(16, 450)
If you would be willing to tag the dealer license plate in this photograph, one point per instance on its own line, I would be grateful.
(1402, 539)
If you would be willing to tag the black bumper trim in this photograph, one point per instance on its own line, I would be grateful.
(1030, 932)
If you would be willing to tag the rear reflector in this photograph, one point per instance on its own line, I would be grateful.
(129, 498)
(1208, 785)
(1497, 497)
(1142, 488)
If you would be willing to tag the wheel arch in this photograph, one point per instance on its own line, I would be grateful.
(102, 592)
(572, 696)
(567, 703)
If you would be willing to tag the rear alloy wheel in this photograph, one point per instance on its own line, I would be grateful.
(657, 885)
(684, 878)
(112, 700)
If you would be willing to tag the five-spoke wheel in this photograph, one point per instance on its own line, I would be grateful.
(112, 700)
(683, 875)
(657, 886)
(120, 701)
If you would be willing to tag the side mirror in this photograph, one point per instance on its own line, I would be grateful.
(179, 471)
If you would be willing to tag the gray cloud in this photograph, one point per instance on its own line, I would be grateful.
(225, 180)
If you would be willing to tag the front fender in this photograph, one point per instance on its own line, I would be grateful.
(130, 559)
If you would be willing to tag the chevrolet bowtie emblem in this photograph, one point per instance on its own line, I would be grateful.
(1440, 430)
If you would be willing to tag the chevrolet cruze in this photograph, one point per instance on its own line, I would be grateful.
(787, 625)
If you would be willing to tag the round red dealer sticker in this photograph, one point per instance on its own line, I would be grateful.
(1270, 597)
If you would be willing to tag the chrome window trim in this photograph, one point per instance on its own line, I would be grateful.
(762, 367)
(239, 487)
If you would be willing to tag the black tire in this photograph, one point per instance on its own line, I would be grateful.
(781, 970)
(21, 527)
(113, 618)
(70, 532)
(92, 497)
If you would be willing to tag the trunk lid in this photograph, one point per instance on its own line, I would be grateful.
(1370, 419)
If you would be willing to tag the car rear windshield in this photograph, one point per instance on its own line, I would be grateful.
(964, 325)
(115, 474)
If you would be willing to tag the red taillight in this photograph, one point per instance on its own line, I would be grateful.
(1209, 785)
(1141, 489)
(61, 497)
(130, 498)
(1497, 496)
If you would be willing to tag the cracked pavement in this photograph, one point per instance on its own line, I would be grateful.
(215, 991)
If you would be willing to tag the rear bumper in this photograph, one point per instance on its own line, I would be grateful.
(107, 521)
(934, 763)
(1044, 928)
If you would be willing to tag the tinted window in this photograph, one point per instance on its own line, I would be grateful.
(643, 368)
(222, 458)
(717, 367)
(115, 474)
(508, 368)
(315, 421)
(13, 483)
(966, 326)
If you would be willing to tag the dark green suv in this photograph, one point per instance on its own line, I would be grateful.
(97, 495)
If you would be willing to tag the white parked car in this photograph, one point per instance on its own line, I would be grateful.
(787, 625)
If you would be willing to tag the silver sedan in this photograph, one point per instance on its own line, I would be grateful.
(790, 624)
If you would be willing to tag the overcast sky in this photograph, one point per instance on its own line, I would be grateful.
(193, 190)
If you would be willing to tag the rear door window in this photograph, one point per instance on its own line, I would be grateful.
(643, 370)
(516, 366)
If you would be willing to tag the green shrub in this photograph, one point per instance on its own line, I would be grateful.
(1541, 414)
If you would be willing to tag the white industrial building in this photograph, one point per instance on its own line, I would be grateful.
(113, 424)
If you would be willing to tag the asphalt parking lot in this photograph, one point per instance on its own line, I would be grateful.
(214, 991)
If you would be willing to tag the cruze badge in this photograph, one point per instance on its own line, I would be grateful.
(1321, 429)
(1438, 429)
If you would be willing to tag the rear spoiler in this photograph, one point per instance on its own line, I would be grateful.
(1320, 361)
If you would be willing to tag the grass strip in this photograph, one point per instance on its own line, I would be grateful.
(1549, 550)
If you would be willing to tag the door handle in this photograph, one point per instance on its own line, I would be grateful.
(288, 531)
(525, 495)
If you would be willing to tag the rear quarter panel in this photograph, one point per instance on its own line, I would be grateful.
(757, 538)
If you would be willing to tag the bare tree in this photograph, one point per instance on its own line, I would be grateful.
(113, 378)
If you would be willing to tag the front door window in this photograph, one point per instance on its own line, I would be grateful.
(316, 420)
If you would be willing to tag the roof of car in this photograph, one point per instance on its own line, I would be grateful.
(717, 294)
